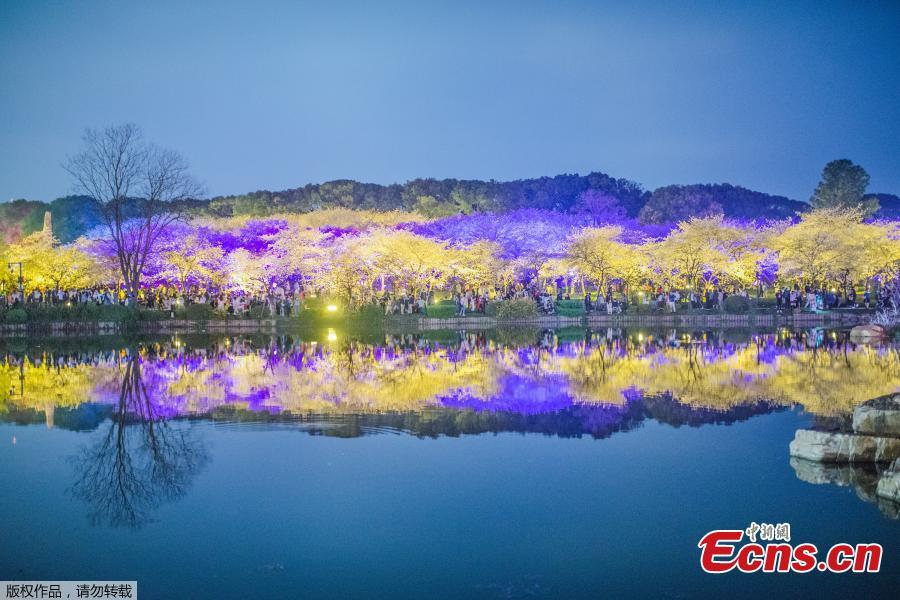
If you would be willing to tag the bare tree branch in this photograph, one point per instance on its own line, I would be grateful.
(138, 189)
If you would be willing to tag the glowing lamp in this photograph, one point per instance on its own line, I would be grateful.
(332, 336)
(331, 308)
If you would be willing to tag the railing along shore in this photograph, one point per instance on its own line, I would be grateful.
(173, 326)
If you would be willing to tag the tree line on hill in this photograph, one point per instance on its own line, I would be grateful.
(595, 193)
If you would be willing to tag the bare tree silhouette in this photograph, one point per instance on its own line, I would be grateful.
(137, 189)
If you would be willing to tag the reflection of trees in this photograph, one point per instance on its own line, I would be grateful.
(46, 381)
(578, 420)
(666, 409)
(702, 370)
(140, 462)
(834, 382)
(825, 381)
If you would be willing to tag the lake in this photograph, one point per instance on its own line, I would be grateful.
(505, 464)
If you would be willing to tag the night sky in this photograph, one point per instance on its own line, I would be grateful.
(266, 95)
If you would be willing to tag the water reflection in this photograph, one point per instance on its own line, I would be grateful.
(597, 421)
(599, 376)
(139, 462)
(141, 399)
(862, 478)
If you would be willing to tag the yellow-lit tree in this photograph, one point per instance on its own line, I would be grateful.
(881, 250)
(413, 262)
(48, 265)
(598, 253)
(822, 246)
(346, 270)
(738, 250)
(688, 251)
(479, 264)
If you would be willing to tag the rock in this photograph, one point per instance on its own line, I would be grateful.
(889, 508)
(880, 416)
(867, 332)
(823, 446)
(889, 487)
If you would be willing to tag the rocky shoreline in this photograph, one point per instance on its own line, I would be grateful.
(866, 458)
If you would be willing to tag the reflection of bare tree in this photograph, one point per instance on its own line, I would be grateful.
(692, 378)
(344, 359)
(141, 461)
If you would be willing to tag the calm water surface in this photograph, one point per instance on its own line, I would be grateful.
(505, 465)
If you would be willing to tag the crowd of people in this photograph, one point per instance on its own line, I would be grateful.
(290, 298)
(280, 301)
(811, 298)
(404, 303)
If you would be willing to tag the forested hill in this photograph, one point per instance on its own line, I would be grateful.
(565, 193)
(678, 202)
(596, 193)
(439, 197)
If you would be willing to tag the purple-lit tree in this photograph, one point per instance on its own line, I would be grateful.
(600, 206)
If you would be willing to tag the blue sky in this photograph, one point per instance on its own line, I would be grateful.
(270, 95)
